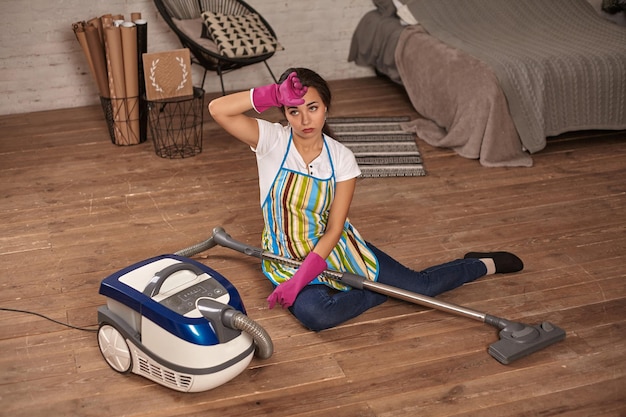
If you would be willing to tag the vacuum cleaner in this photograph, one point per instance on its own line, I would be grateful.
(177, 322)
(516, 340)
(181, 324)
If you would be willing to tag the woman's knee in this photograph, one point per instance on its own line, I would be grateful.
(311, 317)
(320, 311)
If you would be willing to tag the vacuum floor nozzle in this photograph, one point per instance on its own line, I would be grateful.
(518, 340)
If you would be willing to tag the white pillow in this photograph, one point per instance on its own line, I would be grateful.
(403, 12)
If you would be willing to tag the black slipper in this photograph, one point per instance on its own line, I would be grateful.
(505, 262)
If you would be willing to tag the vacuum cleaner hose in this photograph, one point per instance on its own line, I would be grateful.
(238, 320)
(262, 340)
(197, 248)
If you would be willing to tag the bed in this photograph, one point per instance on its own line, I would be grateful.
(492, 79)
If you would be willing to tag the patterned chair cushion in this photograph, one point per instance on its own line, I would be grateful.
(239, 36)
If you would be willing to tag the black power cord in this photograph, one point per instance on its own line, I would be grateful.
(84, 329)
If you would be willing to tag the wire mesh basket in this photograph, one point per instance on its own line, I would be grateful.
(125, 119)
(176, 125)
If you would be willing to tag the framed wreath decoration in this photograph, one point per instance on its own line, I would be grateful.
(167, 74)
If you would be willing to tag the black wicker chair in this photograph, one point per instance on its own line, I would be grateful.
(183, 17)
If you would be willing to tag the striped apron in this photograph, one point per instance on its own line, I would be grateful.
(296, 212)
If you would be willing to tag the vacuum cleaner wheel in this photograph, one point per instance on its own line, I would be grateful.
(114, 348)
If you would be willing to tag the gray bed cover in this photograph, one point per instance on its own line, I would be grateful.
(561, 66)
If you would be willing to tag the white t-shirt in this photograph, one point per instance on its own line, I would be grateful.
(270, 152)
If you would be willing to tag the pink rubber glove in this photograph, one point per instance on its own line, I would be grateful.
(287, 93)
(285, 294)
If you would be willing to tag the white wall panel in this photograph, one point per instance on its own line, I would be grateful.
(42, 66)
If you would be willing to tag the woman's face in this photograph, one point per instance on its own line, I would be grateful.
(307, 120)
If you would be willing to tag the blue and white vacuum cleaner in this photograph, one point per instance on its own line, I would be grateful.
(177, 322)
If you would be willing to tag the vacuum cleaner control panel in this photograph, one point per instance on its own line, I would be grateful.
(185, 300)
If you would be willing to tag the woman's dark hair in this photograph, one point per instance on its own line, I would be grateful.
(310, 78)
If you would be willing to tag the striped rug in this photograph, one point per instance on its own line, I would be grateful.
(381, 147)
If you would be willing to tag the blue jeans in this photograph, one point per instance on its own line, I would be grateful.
(319, 307)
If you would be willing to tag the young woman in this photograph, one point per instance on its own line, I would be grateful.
(306, 181)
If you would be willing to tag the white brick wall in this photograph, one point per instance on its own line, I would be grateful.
(42, 66)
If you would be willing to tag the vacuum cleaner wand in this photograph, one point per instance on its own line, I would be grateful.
(517, 340)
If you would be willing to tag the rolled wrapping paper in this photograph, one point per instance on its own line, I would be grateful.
(98, 24)
(105, 21)
(79, 31)
(131, 79)
(117, 85)
(117, 67)
(142, 48)
(98, 58)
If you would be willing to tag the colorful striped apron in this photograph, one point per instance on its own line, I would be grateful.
(296, 212)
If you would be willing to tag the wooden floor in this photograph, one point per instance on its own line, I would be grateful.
(76, 208)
